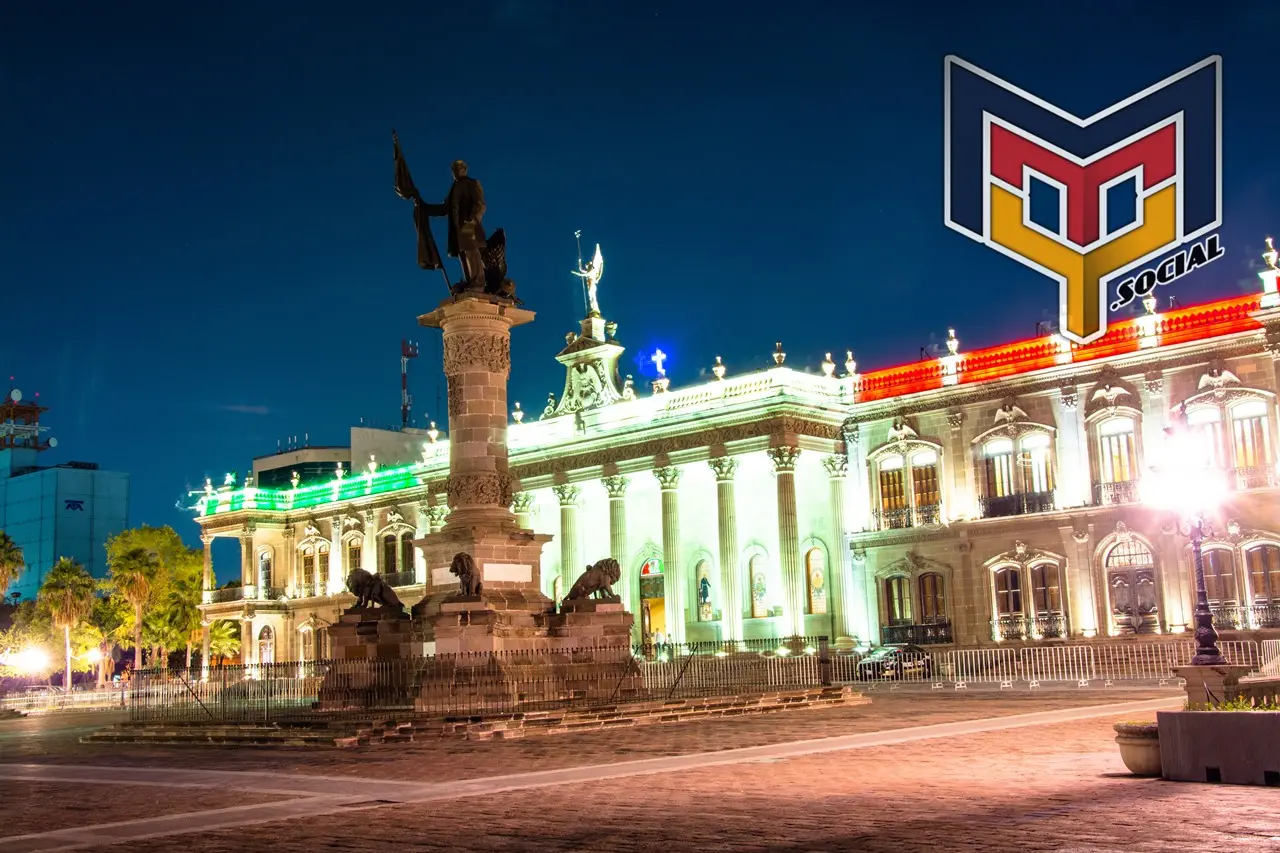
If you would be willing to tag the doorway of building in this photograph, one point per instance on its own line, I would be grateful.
(653, 601)
(1131, 582)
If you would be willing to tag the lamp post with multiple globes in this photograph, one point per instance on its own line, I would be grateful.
(1187, 482)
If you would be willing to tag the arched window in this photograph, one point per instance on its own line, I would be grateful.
(355, 547)
(702, 581)
(1219, 576)
(998, 463)
(815, 572)
(315, 569)
(1017, 475)
(266, 645)
(1008, 582)
(322, 567)
(1252, 441)
(1117, 461)
(1131, 584)
(390, 554)
(1046, 588)
(932, 603)
(759, 587)
(1036, 463)
(897, 600)
(893, 492)
(925, 496)
(264, 573)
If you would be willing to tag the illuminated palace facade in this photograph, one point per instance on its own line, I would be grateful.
(975, 498)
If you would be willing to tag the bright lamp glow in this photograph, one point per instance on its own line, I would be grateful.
(1185, 480)
(28, 661)
(94, 655)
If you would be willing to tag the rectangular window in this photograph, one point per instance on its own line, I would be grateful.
(1264, 573)
(1008, 593)
(322, 567)
(932, 606)
(924, 481)
(389, 553)
(308, 569)
(1206, 426)
(353, 556)
(1219, 576)
(408, 561)
(1047, 591)
(1117, 462)
(893, 495)
(999, 468)
(897, 602)
(1249, 427)
(1037, 465)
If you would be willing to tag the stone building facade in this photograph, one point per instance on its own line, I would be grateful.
(975, 498)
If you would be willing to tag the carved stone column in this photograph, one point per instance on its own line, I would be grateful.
(672, 567)
(860, 515)
(617, 489)
(369, 550)
(248, 571)
(1072, 465)
(248, 642)
(290, 556)
(205, 643)
(209, 582)
(522, 503)
(784, 466)
(733, 605)
(437, 515)
(570, 546)
(477, 363)
(337, 557)
(844, 621)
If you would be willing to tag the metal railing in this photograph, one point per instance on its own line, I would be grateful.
(478, 683)
(1009, 505)
(1109, 494)
(399, 579)
(223, 594)
(927, 633)
(899, 519)
(106, 699)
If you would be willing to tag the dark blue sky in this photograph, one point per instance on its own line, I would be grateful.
(201, 253)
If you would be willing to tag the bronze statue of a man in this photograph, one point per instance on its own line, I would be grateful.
(464, 207)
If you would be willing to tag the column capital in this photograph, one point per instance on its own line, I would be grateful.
(206, 539)
(247, 532)
(784, 458)
(436, 514)
(668, 478)
(616, 486)
(725, 467)
(288, 532)
(522, 502)
(567, 493)
(837, 465)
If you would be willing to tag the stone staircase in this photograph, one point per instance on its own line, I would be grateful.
(407, 727)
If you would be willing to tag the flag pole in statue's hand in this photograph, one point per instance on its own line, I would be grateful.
(428, 253)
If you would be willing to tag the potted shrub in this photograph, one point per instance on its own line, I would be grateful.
(1139, 747)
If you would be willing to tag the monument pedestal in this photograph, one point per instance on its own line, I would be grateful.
(372, 633)
(372, 650)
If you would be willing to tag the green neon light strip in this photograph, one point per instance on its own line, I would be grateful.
(282, 500)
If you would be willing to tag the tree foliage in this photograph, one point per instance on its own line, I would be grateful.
(11, 562)
(161, 579)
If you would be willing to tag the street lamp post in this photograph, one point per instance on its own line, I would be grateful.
(1206, 636)
(1188, 483)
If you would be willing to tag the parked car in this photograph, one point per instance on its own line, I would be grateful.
(896, 662)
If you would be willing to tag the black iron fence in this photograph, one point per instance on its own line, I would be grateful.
(479, 683)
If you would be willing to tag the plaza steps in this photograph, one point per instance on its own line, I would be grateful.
(391, 728)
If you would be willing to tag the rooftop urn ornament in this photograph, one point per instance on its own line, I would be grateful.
(230, 479)
(518, 414)
(550, 410)
(1149, 303)
(828, 366)
(629, 388)
(778, 355)
(610, 329)
(373, 465)
(717, 369)
(1270, 276)
(248, 481)
(1271, 257)
(208, 486)
(433, 434)
(953, 343)
(850, 366)
(295, 480)
(340, 472)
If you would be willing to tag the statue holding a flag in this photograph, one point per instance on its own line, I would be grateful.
(484, 263)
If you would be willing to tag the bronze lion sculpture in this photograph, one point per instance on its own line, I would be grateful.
(597, 580)
(464, 566)
(368, 589)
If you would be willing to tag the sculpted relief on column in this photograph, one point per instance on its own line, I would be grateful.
(464, 349)
(724, 468)
(616, 486)
(784, 458)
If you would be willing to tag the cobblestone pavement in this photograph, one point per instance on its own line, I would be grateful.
(1050, 787)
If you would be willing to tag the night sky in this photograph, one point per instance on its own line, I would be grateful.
(201, 252)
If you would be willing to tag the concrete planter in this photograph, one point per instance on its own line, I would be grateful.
(1139, 747)
(1235, 747)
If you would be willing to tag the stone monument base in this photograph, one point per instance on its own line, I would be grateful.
(372, 633)
(372, 648)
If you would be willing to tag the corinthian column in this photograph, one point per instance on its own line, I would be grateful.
(727, 525)
(290, 556)
(843, 620)
(570, 552)
(522, 503)
(207, 541)
(784, 465)
(674, 585)
(248, 570)
(617, 488)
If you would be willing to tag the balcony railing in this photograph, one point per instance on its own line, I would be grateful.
(1109, 494)
(1265, 615)
(1049, 626)
(1009, 627)
(928, 633)
(1241, 617)
(1257, 477)
(1008, 505)
(223, 595)
(896, 519)
(1042, 626)
(400, 578)
(308, 590)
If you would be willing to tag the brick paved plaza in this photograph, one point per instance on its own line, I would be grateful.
(1044, 786)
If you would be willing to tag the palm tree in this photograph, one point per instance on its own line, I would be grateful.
(224, 640)
(68, 592)
(133, 574)
(11, 562)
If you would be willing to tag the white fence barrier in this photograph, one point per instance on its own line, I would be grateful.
(1269, 664)
(1057, 663)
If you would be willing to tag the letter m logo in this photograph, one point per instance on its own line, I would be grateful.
(1005, 146)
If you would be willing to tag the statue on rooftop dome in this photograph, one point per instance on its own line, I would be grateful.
(591, 274)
